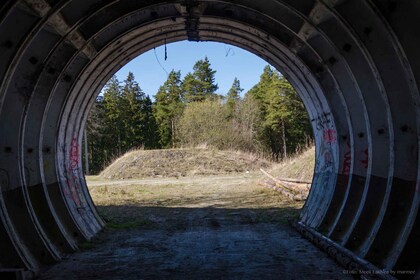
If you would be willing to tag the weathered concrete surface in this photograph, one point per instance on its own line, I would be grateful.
(355, 63)
(196, 228)
(210, 246)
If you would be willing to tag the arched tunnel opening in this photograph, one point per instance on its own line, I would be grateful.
(354, 63)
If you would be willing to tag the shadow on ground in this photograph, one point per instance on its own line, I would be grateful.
(181, 218)
(196, 243)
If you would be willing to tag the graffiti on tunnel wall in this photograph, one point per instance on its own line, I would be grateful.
(329, 136)
(325, 129)
(347, 159)
(326, 167)
(73, 182)
(322, 121)
(74, 154)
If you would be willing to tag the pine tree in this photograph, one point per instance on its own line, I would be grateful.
(275, 114)
(151, 134)
(233, 98)
(95, 125)
(296, 124)
(113, 116)
(168, 109)
(139, 122)
(205, 75)
(104, 127)
(189, 88)
(132, 98)
(200, 85)
(283, 123)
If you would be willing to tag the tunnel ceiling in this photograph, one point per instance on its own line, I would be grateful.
(355, 64)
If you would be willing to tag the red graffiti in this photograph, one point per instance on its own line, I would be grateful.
(329, 136)
(328, 159)
(74, 154)
(365, 162)
(347, 159)
(73, 182)
(72, 194)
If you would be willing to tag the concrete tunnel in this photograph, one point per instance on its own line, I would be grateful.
(355, 64)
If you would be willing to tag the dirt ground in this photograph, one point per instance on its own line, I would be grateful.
(217, 227)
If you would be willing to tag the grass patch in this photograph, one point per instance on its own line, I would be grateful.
(177, 163)
(93, 178)
(300, 166)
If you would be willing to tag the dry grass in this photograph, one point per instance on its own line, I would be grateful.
(171, 192)
(182, 163)
(122, 203)
(191, 178)
(298, 167)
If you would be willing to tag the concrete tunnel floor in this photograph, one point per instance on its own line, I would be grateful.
(235, 230)
(355, 64)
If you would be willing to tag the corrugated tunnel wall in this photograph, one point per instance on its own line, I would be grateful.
(355, 63)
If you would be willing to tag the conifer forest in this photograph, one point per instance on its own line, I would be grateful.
(269, 120)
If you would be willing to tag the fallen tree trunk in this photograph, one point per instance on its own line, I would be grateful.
(293, 189)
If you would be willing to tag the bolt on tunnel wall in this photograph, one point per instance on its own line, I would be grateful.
(354, 63)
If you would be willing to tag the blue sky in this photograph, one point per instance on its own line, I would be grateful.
(227, 60)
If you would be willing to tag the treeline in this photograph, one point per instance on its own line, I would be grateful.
(269, 120)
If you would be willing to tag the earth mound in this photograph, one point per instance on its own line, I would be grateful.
(182, 163)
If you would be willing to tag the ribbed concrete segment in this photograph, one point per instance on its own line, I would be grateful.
(355, 63)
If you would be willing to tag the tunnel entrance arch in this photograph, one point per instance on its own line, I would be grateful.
(354, 63)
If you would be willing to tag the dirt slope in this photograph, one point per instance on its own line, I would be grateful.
(181, 163)
(298, 167)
